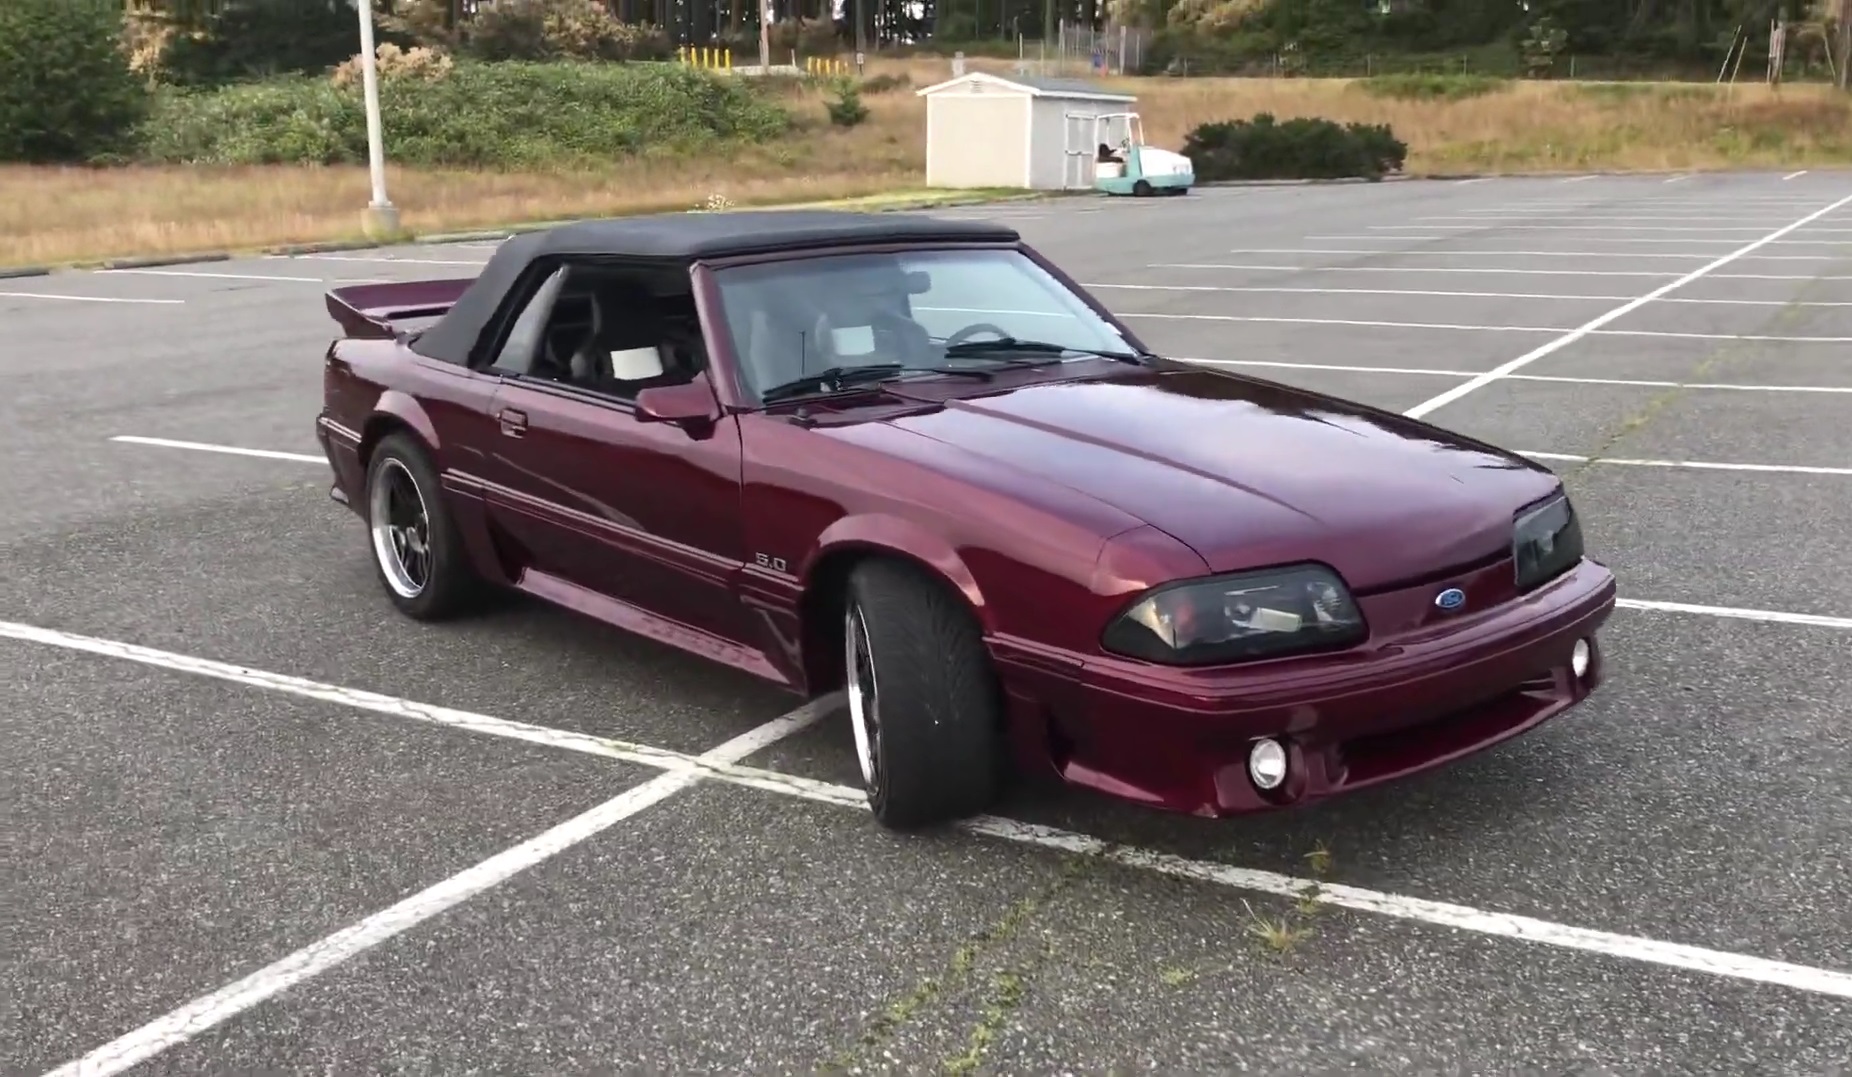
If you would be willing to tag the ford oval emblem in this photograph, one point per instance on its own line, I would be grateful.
(1450, 599)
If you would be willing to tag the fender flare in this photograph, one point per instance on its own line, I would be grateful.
(397, 408)
(882, 533)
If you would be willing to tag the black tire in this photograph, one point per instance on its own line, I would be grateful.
(1141, 189)
(937, 739)
(448, 584)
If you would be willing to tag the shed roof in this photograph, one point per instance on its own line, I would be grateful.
(1072, 89)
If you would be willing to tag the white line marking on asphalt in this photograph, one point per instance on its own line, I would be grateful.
(1439, 238)
(1563, 379)
(1442, 293)
(1500, 227)
(1621, 311)
(1581, 179)
(209, 275)
(1498, 222)
(1536, 254)
(1485, 270)
(1466, 328)
(318, 957)
(1704, 465)
(1794, 175)
(378, 260)
(200, 446)
(1811, 620)
(85, 298)
(1675, 179)
(195, 1018)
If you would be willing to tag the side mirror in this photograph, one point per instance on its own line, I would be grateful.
(688, 404)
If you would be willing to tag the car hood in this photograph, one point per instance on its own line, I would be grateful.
(1251, 473)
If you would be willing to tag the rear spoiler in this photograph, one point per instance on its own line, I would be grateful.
(368, 310)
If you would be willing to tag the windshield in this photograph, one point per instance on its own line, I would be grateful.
(912, 310)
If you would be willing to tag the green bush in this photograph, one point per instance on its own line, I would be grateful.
(66, 91)
(1431, 87)
(1304, 148)
(558, 30)
(510, 115)
(847, 109)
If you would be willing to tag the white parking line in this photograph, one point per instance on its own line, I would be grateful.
(1564, 379)
(200, 446)
(1811, 620)
(1538, 254)
(1443, 293)
(211, 275)
(1705, 218)
(1436, 237)
(1794, 175)
(86, 298)
(1577, 272)
(376, 260)
(722, 764)
(1501, 227)
(1469, 328)
(318, 957)
(1703, 465)
(1621, 311)
(1676, 179)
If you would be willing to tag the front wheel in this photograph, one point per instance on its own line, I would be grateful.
(417, 553)
(924, 703)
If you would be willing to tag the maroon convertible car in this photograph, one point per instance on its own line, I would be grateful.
(910, 458)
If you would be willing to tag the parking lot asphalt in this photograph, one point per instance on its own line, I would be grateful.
(259, 822)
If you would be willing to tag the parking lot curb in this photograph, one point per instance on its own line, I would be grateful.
(164, 260)
(18, 272)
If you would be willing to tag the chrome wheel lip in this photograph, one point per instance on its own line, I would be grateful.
(864, 698)
(400, 545)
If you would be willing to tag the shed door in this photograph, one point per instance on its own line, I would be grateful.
(1077, 138)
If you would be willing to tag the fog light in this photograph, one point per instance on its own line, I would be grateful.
(1578, 659)
(1267, 763)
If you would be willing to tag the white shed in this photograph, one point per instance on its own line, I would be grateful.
(985, 130)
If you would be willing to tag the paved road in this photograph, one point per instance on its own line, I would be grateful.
(185, 817)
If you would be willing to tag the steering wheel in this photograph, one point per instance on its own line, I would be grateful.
(973, 329)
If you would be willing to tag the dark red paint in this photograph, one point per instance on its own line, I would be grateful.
(1049, 498)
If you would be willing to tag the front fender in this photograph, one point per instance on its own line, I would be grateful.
(879, 531)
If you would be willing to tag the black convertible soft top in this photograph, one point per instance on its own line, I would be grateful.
(681, 237)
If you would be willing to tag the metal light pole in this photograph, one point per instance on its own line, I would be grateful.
(381, 217)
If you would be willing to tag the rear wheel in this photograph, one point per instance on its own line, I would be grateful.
(1141, 189)
(417, 553)
(924, 704)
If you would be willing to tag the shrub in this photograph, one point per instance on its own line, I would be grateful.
(846, 110)
(513, 114)
(1431, 87)
(392, 62)
(66, 91)
(558, 30)
(1304, 148)
(886, 83)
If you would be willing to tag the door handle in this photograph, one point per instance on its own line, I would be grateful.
(514, 423)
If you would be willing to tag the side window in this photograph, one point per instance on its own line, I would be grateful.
(637, 338)
(525, 339)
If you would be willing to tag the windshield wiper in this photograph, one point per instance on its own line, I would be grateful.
(855, 375)
(1014, 344)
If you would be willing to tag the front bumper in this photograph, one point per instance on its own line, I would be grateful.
(1179, 739)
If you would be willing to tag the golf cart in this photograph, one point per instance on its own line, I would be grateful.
(1124, 164)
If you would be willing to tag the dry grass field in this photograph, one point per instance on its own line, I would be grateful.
(59, 215)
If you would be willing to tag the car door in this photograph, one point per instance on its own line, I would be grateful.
(647, 513)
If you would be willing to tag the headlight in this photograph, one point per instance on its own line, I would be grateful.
(1546, 542)
(1241, 616)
